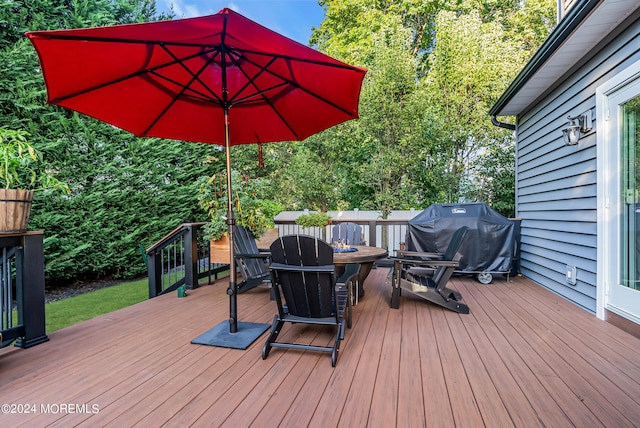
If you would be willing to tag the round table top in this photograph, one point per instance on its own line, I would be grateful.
(364, 254)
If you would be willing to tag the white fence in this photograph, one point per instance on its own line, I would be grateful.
(385, 233)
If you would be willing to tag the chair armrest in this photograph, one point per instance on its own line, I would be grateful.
(252, 255)
(351, 271)
(292, 268)
(418, 254)
(427, 263)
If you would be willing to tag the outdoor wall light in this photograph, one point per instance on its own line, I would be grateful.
(577, 125)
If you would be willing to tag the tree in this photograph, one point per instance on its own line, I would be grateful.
(126, 192)
(470, 65)
(350, 27)
(311, 178)
(390, 101)
(464, 55)
(494, 174)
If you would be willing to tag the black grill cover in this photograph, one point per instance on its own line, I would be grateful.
(488, 246)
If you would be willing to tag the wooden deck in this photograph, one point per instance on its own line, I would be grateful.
(523, 357)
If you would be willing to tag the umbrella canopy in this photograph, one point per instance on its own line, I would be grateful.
(220, 79)
(176, 79)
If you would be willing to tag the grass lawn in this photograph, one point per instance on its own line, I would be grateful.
(66, 312)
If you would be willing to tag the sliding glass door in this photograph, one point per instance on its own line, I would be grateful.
(623, 242)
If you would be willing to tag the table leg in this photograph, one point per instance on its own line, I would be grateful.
(365, 268)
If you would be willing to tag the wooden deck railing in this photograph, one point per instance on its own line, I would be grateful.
(180, 258)
(387, 234)
(22, 288)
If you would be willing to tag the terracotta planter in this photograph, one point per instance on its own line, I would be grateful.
(220, 250)
(15, 208)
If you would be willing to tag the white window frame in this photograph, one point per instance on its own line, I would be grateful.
(606, 135)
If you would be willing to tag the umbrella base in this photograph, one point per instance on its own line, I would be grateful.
(220, 336)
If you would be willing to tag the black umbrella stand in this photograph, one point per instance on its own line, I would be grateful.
(231, 333)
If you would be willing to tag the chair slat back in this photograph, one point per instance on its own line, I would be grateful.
(451, 253)
(347, 233)
(308, 293)
(245, 243)
(454, 244)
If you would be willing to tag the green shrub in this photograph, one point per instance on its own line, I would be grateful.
(313, 220)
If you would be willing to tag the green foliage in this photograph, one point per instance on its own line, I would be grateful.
(125, 192)
(19, 164)
(251, 209)
(495, 173)
(313, 220)
(350, 27)
(390, 99)
(435, 68)
(470, 65)
(312, 179)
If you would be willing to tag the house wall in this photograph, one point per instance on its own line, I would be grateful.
(556, 184)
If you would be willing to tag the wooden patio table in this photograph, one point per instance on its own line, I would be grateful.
(365, 256)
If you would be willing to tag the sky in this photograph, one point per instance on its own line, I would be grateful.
(292, 18)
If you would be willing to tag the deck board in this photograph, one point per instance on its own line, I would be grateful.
(527, 368)
(458, 387)
(410, 409)
(568, 363)
(523, 357)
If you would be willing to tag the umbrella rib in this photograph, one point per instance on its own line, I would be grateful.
(298, 59)
(196, 76)
(184, 88)
(251, 81)
(198, 95)
(128, 76)
(293, 83)
(260, 92)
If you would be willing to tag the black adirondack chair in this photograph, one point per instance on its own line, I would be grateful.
(250, 260)
(426, 275)
(347, 233)
(306, 291)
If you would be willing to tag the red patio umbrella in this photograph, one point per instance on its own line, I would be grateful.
(220, 79)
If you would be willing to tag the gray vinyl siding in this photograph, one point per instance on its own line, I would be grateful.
(556, 185)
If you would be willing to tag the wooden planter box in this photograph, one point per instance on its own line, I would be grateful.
(220, 250)
(15, 208)
(267, 238)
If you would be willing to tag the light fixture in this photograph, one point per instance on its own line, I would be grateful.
(577, 125)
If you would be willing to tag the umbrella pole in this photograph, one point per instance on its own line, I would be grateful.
(249, 332)
(236, 335)
(232, 291)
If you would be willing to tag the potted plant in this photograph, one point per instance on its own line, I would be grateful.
(314, 220)
(21, 173)
(252, 209)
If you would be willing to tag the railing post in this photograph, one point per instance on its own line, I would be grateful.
(372, 233)
(30, 290)
(191, 258)
(154, 270)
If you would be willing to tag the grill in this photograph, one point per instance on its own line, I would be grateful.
(490, 246)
